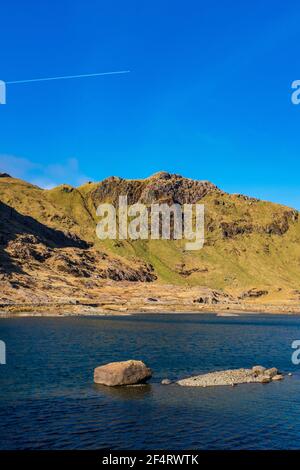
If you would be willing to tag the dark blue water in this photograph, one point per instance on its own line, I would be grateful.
(48, 399)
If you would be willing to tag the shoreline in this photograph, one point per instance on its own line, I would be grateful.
(82, 310)
(130, 298)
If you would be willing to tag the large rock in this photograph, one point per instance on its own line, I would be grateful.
(122, 373)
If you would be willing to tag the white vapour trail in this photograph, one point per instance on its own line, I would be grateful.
(68, 77)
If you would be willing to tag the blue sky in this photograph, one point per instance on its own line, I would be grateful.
(208, 96)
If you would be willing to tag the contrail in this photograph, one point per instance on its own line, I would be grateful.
(68, 77)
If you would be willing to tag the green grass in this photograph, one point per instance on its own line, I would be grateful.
(255, 259)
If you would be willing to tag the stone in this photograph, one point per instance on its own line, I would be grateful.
(277, 377)
(229, 377)
(166, 382)
(258, 370)
(122, 373)
(253, 293)
(271, 372)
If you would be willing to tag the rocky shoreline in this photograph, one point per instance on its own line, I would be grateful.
(65, 310)
(126, 299)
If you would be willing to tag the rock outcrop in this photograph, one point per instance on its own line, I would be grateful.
(49, 250)
(213, 297)
(253, 293)
(122, 373)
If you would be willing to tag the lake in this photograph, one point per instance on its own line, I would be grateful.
(48, 399)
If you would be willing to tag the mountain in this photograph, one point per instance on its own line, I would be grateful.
(49, 250)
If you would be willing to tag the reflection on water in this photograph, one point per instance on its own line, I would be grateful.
(129, 392)
(48, 399)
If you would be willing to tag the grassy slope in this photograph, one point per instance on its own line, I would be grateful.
(254, 258)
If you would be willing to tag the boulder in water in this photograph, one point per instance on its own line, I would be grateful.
(122, 373)
(166, 382)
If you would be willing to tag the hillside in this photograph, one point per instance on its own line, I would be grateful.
(49, 249)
